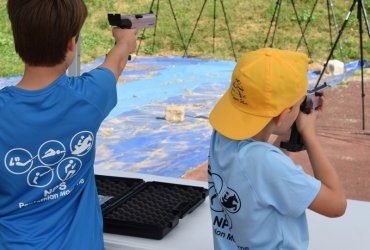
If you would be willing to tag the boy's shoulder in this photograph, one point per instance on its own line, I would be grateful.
(98, 78)
(245, 145)
(5, 96)
(247, 149)
(261, 151)
(250, 155)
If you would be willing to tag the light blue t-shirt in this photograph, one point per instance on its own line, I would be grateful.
(48, 197)
(258, 196)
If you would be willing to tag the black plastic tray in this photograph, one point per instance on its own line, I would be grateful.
(145, 209)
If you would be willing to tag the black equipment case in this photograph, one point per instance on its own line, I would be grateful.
(145, 209)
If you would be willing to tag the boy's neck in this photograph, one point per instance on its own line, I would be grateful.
(264, 137)
(265, 133)
(36, 77)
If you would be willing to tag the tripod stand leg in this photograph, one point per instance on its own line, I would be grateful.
(300, 27)
(141, 39)
(308, 21)
(143, 33)
(359, 17)
(336, 42)
(336, 26)
(178, 28)
(272, 21)
(195, 26)
(366, 19)
(329, 19)
(228, 29)
(276, 24)
(155, 28)
(214, 25)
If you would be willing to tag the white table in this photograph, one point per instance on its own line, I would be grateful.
(194, 231)
(349, 232)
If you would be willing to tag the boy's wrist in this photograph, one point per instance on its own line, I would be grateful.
(309, 138)
(123, 47)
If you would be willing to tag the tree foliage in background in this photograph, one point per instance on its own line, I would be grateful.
(248, 20)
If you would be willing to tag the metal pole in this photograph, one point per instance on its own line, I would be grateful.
(228, 29)
(214, 25)
(272, 21)
(366, 19)
(195, 26)
(308, 21)
(300, 27)
(336, 26)
(178, 28)
(74, 69)
(329, 19)
(143, 33)
(359, 17)
(155, 27)
(336, 42)
(276, 24)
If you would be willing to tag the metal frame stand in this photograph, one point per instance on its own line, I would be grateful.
(275, 18)
(214, 27)
(331, 15)
(75, 69)
(155, 28)
(361, 11)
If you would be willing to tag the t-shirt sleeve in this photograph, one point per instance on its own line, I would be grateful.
(98, 86)
(284, 185)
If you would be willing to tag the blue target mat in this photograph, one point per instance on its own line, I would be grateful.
(135, 137)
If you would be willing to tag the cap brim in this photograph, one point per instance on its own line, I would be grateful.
(232, 123)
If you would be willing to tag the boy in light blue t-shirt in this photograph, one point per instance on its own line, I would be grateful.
(258, 195)
(49, 121)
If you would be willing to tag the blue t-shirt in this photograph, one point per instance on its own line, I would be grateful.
(48, 197)
(258, 196)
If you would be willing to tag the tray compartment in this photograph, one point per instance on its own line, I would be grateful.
(112, 190)
(150, 209)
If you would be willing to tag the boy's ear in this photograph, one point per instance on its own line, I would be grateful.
(280, 119)
(71, 46)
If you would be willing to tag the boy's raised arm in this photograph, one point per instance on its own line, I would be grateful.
(117, 57)
(331, 199)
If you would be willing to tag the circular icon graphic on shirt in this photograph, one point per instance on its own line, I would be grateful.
(51, 152)
(40, 176)
(18, 161)
(221, 197)
(81, 143)
(214, 188)
(68, 168)
(230, 200)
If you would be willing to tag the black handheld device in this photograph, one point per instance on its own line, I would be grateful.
(311, 102)
(137, 21)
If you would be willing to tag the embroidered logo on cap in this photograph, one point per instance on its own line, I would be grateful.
(237, 91)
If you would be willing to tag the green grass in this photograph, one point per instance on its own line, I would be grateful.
(248, 20)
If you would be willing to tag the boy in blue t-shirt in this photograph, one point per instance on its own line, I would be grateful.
(258, 195)
(49, 121)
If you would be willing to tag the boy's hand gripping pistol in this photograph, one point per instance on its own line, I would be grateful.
(311, 102)
(137, 21)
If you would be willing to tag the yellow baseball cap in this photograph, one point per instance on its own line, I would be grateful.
(263, 84)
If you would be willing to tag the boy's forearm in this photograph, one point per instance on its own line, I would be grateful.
(322, 168)
(116, 59)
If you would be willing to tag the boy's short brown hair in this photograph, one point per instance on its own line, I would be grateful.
(42, 28)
